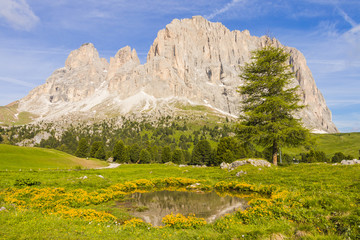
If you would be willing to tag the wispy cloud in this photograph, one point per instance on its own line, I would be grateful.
(347, 18)
(223, 9)
(17, 82)
(352, 36)
(18, 14)
(343, 102)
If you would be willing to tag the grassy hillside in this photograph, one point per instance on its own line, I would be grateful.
(347, 143)
(14, 157)
(9, 115)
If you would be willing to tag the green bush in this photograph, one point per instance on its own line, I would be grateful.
(314, 156)
(338, 157)
(26, 182)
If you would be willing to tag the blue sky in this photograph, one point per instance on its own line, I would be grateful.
(36, 37)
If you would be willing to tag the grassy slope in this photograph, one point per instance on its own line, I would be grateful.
(8, 115)
(347, 143)
(14, 157)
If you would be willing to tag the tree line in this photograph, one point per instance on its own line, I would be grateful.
(227, 150)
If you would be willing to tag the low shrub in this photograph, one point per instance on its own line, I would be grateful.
(26, 182)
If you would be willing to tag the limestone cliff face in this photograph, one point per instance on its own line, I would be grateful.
(190, 59)
(82, 76)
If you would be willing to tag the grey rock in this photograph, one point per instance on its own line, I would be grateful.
(195, 185)
(350, 162)
(254, 162)
(224, 165)
(199, 166)
(241, 173)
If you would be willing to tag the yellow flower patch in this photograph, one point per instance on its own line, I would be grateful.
(86, 214)
(136, 223)
(180, 221)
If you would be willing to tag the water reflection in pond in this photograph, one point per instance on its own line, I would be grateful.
(153, 206)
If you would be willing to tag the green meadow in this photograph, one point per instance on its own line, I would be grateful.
(347, 143)
(25, 158)
(303, 201)
(59, 196)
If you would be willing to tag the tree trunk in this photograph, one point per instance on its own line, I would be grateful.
(275, 152)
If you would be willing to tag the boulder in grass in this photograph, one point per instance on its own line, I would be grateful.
(254, 162)
(350, 162)
(241, 173)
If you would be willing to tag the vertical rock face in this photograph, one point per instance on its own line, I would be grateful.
(190, 59)
(82, 76)
(124, 60)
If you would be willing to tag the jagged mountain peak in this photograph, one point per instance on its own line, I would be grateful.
(193, 59)
(85, 55)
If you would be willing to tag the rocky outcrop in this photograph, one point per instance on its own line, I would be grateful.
(238, 163)
(35, 140)
(350, 162)
(191, 59)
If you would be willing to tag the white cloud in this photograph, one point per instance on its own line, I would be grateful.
(17, 82)
(352, 37)
(18, 14)
(222, 10)
(343, 102)
(347, 18)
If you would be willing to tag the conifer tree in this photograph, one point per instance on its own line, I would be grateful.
(94, 147)
(269, 102)
(134, 153)
(119, 152)
(201, 153)
(100, 153)
(145, 156)
(226, 145)
(187, 156)
(178, 156)
(166, 154)
(82, 149)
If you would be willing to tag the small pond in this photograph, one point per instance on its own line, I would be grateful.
(153, 206)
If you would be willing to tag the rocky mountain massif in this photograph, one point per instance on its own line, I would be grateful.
(192, 61)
